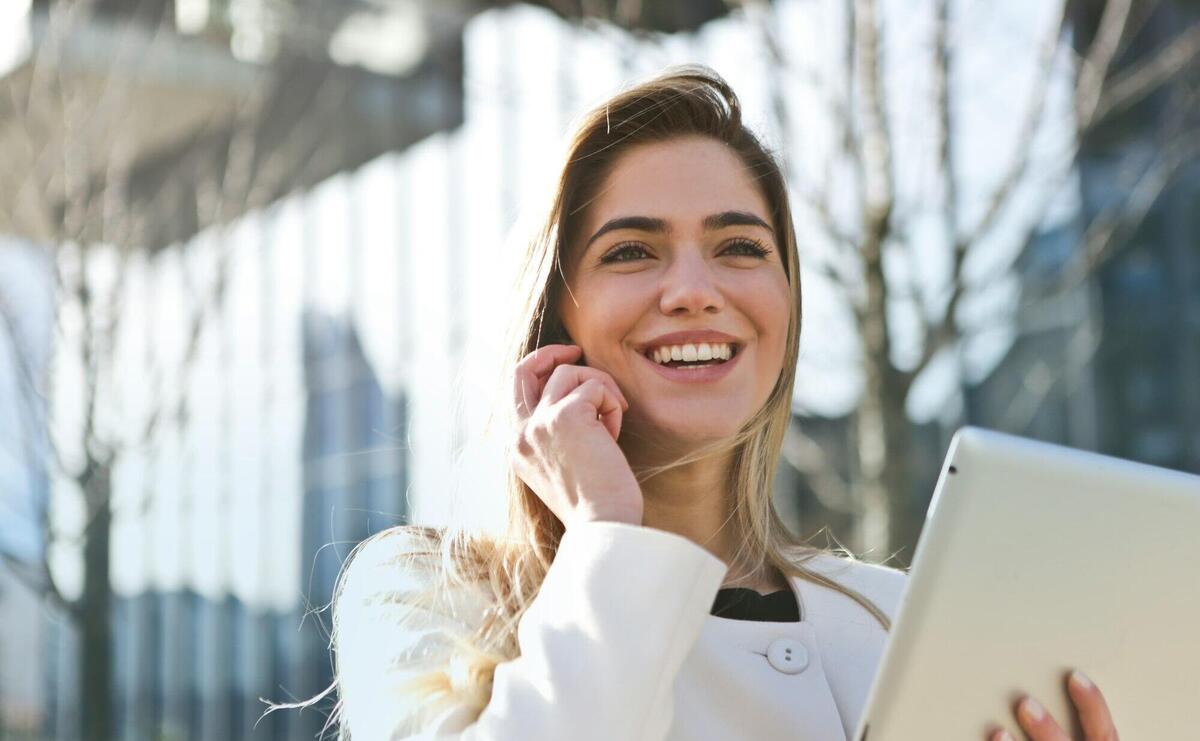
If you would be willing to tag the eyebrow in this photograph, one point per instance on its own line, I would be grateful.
(659, 226)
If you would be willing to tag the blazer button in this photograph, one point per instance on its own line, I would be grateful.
(788, 655)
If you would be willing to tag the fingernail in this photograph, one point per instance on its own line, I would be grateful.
(1080, 680)
(1033, 709)
(1006, 736)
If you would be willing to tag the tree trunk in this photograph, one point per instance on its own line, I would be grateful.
(880, 418)
(898, 466)
(94, 612)
(883, 436)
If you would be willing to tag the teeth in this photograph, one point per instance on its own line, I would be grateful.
(693, 352)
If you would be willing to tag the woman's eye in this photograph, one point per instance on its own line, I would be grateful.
(623, 253)
(748, 247)
(632, 251)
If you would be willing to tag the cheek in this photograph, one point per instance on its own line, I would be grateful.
(770, 314)
(600, 317)
(768, 304)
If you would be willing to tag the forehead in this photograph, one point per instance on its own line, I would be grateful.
(681, 181)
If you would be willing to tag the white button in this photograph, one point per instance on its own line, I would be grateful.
(788, 655)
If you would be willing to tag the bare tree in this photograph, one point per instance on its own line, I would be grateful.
(77, 178)
(880, 226)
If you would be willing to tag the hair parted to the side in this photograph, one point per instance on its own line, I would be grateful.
(689, 100)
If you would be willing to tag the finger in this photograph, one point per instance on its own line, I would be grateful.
(1039, 724)
(565, 378)
(1000, 734)
(610, 414)
(598, 396)
(1094, 714)
(533, 370)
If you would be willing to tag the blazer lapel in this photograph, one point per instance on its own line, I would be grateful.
(849, 639)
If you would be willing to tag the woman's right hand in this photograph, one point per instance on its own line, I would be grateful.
(568, 421)
(1090, 707)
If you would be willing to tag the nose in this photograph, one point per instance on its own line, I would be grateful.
(688, 286)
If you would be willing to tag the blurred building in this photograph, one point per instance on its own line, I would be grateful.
(22, 702)
(1113, 363)
(1148, 362)
(189, 666)
(25, 339)
(355, 483)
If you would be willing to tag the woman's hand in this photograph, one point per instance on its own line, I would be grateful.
(569, 417)
(1093, 712)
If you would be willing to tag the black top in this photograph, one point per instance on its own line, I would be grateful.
(740, 603)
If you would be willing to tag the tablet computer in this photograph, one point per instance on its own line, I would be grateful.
(1036, 559)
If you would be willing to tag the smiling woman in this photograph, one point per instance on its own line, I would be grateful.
(646, 588)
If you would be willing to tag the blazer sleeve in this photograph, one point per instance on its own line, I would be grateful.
(600, 646)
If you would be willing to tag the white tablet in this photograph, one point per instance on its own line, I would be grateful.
(1036, 559)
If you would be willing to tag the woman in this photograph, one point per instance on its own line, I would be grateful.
(646, 587)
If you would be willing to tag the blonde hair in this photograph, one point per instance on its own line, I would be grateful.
(508, 571)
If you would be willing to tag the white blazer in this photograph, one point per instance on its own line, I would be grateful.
(619, 645)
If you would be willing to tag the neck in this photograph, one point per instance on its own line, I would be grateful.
(693, 500)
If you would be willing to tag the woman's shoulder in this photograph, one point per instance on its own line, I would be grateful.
(882, 584)
(397, 545)
(397, 620)
(405, 554)
(834, 562)
(403, 567)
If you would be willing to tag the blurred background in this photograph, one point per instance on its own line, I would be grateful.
(255, 254)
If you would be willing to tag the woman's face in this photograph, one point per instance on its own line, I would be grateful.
(671, 255)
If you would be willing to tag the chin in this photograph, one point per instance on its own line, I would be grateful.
(690, 431)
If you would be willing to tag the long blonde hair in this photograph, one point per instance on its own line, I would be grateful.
(508, 571)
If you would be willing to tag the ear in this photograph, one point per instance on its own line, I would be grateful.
(557, 337)
(562, 337)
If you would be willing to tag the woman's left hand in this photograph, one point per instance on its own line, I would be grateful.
(1093, 711)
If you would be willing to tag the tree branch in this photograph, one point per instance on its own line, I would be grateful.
(1040, 380)
(878, 178)
(42, 584)
(1104, 233)
(1094, 66)
(815, 199)
(245, 183)
(1137, 82)
(807, 457)
(1034, 110)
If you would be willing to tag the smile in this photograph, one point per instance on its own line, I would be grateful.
(690, 355)
(688, 364)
